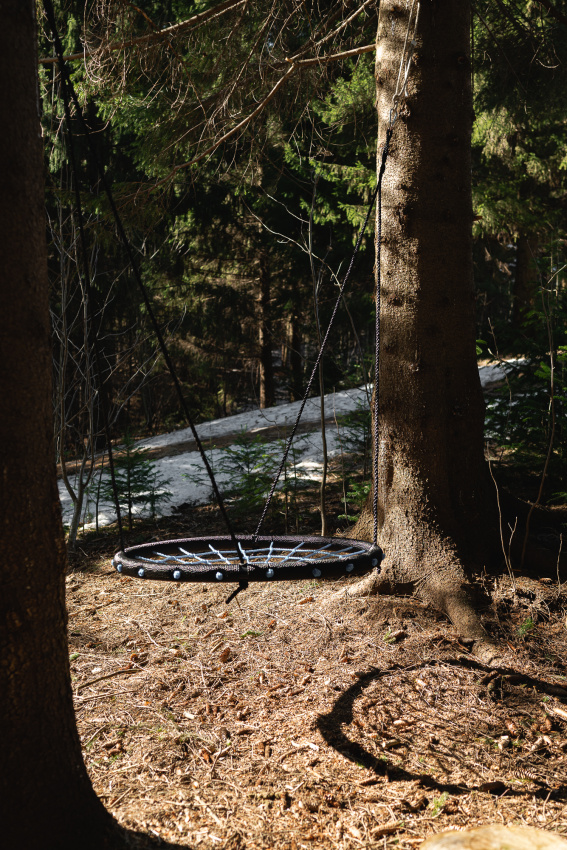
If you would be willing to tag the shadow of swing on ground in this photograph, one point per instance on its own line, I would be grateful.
(410, 724)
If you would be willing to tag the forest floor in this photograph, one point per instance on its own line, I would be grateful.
(296, 717)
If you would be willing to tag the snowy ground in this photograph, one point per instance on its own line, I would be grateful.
(187, 479)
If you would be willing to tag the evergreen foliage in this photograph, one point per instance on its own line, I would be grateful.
(519, 143)
(222, 243)
(140, 487)
(210, 233)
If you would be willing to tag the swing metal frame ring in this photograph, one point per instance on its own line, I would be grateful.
(256, 558)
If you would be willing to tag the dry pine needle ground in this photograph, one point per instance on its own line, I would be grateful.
(279, 721)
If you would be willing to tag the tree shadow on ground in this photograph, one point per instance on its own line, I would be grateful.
(143, 841)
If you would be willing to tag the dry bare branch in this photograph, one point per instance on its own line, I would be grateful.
(168, 32)
(293, 66)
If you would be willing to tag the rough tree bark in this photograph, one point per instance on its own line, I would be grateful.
(525, 279)
(265, 337)
(46, 798)
(435, 497)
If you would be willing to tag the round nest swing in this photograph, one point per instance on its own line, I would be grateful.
(257, 558)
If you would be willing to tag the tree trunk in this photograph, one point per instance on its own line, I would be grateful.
(296, 388)
(265, 336)
(291, 359)
(525, 279)
(434, 495)
(46, 798)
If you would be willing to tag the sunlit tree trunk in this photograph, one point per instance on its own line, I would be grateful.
(294, 343)
(433, 493)
(265, 335)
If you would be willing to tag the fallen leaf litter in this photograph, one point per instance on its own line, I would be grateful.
(283, 722)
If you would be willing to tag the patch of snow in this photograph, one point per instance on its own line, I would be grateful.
(255, 421)
(188, 481)
(494, 373)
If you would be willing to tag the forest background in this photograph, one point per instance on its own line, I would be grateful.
(240, 142)
(198, 129)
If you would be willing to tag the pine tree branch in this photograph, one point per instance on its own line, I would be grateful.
(207, 15)
(332, 57)
(312, 44)
(240, 126)
(341, 26)
(553, 11)
(293, 66)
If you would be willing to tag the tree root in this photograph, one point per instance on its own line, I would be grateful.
(458, 604)
(422, 561)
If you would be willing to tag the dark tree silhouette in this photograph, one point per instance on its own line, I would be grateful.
(46, 798)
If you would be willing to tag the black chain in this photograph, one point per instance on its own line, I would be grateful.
(377, 349)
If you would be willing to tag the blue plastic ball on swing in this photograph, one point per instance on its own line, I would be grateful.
(316, 572)
(141, 572)
(269, 573)
(176, 574)
(219, 576)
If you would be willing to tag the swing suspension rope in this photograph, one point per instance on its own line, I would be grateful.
(70, 94)
(91, 336)
(406, 61)
(248, 557)
(399, 93)
(376, 194)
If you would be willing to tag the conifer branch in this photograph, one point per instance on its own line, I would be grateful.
(332, 57)
(207, 15)
(553, 11)
(293, 66)
(240, 126)
(341, 26)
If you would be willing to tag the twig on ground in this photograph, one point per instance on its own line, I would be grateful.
(124, 671)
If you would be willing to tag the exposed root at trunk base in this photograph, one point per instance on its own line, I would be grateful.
(454, 596)
(461, 610)
(422, 560)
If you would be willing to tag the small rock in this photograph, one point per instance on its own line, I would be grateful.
(496, 837)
